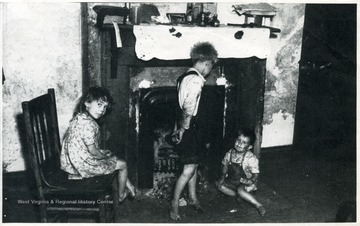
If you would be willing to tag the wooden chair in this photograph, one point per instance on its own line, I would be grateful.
(58, 196)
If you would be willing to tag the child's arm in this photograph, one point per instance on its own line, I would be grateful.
(94, 151)
(254, 178)
(224, 171)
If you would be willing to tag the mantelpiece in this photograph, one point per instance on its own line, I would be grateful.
(166, 42)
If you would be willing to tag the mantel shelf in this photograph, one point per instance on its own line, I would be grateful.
(166, 42)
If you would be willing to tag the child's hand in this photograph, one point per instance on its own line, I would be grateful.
(246, 181)
(177, 135)
(107, 153)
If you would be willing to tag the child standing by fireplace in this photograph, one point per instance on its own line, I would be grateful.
(240, 170)
(189, 87)
(81, 156)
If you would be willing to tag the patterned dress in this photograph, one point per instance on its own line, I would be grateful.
(75, 159)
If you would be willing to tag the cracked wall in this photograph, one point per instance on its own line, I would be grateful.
(282, 76)
(41, 50)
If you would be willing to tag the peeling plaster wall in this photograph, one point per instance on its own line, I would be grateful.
(41, 50)
(282, 64)
(282, 76)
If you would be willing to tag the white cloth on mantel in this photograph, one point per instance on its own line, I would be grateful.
(156, 41)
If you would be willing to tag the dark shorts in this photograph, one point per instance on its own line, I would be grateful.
(232, 184)
(188, 149)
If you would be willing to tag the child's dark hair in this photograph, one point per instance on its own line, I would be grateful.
(203, 51)
(247, 132)
(95, 93)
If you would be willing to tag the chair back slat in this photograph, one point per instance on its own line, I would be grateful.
(37, 139)
(40, 139)
(42, 133)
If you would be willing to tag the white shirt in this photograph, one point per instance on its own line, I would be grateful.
(189, 94)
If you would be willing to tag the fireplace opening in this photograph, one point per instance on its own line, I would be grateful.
(158, 160)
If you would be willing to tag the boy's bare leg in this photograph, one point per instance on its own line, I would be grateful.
(192, 186)
(192, 192)
(251, 199)
(183, 179)
(225, 190)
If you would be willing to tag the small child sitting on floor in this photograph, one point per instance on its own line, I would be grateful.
(240, 170)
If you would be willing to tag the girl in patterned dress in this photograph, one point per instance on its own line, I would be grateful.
(81, 156)
(240, 170)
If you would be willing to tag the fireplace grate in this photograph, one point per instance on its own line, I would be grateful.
(167, 165)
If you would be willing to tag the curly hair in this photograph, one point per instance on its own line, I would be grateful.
(95, 93)
(203, 51)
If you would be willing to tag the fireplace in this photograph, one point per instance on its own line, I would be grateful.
(158, 159)
(143, 116)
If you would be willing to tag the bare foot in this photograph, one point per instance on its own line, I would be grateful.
(261, 210)
(132, 191)
(131, 188)
(196, 205)
(174, 211)
(123, 196)
(238, 199)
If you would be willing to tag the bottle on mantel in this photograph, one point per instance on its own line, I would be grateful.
(215, 22)
(189, 13)
(202, 20)
(197, 9)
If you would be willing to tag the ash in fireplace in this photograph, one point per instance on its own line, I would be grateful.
(167, 166)
(164, 184)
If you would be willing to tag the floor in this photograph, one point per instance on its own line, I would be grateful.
(294, 188)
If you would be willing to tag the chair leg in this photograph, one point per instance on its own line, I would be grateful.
(109, 210)
(102, 213)
(64, 217)
(115, 195)
(61, 217)
(43, 215)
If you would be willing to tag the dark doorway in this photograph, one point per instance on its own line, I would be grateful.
(326, 103)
